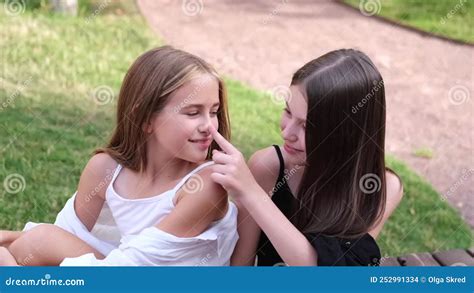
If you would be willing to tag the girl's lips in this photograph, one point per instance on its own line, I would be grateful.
(290, 150)
(202, 143)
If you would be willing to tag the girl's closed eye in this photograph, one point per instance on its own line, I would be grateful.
(215, 112)
(193, 113)
(287, 111)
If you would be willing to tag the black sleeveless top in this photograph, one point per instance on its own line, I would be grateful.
(331, 251)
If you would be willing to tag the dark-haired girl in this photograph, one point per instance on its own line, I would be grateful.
(323, 197)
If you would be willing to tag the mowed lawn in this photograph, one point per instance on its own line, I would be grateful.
(54, 113)
(449, 18)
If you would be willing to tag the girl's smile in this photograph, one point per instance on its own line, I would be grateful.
(290, 150)
(203, 143)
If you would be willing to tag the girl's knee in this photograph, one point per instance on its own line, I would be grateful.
(28, 244)
(41, 231)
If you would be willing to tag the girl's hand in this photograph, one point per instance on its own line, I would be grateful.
(231, 170)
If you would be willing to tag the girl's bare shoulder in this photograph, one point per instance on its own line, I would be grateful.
(394, 189)
(265, 166)
(98, 171)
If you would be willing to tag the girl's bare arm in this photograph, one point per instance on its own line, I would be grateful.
(48, 245)
(264, 167)
(195, 211)
(232, 172)
(95, 179)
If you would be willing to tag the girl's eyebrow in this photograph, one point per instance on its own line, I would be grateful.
(288, 107)
(200, 105)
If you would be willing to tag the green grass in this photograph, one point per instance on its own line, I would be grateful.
(449, 18)
(426, 153)
(49, 128)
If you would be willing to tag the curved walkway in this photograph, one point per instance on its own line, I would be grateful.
(429, 82)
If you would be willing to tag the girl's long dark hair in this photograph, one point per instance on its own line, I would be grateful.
(342, 191)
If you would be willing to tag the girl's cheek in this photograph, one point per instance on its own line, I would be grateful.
(187, 125)
(302, 140)
(283, 122)
(215, 123)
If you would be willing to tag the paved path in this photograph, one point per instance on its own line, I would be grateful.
(263, 42)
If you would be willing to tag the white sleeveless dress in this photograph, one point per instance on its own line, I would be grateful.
(142, 244)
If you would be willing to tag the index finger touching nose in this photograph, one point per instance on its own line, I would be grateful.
(221, 141)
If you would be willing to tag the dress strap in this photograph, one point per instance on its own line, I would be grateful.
(116, 172)
(282, 162)
(185, 178)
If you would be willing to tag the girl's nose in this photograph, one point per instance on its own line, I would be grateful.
(288, 132)
(204, 129)
(205, 125)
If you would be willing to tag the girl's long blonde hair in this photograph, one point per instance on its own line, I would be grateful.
(145, 91)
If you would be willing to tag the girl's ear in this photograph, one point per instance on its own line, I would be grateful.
(147, 127)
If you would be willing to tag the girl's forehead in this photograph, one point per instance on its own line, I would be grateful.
(297, 102)
(202, 90)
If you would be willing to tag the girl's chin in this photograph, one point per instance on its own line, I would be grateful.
(295, 159)
(199, 156)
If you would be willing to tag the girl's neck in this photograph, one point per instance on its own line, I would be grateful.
(171, 169)
(163, 165)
